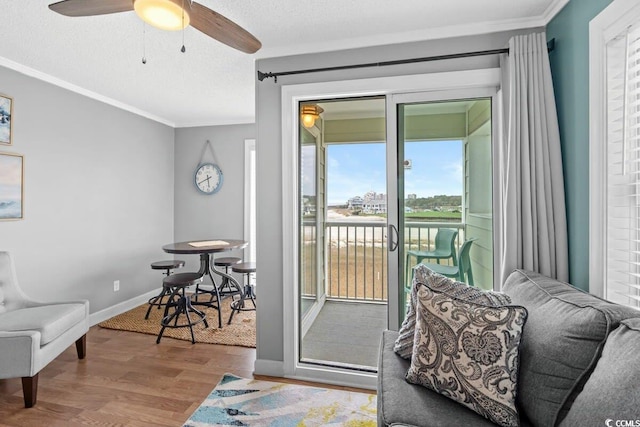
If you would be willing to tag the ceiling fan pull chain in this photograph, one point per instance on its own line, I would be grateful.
(144, 44)
(183, 49)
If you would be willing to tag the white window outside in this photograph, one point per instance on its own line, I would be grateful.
(250, 199)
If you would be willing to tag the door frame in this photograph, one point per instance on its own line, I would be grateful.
(291, 95)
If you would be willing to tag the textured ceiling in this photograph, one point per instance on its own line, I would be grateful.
(212, 83)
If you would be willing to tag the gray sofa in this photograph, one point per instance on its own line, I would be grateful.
(579, 364)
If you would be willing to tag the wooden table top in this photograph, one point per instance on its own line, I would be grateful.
(215, 246)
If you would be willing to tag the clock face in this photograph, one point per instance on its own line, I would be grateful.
(208, 178)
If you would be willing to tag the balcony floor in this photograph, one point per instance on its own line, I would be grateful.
(346, 333)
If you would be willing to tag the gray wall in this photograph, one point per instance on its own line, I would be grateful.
(268, 146)
(98, 195)
(220, 215)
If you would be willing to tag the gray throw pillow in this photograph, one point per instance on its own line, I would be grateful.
(612, 392)
(423, 275)
(468, 352)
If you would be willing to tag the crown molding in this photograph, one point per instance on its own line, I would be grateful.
(23, 69)
(553, 9)
(241, 120)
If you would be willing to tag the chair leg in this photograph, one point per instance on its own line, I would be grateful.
(81, 346)
(470, 278)
(30, 390)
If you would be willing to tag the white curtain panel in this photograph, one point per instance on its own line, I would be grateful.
(533, 228)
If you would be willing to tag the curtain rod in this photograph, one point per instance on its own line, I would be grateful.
(261, 76)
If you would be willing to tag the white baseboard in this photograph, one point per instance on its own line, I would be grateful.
(114, 310)
(271, 368)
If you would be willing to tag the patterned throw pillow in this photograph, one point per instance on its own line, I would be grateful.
(468, 352)
(404, 344)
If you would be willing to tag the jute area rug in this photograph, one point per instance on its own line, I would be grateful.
(246, 402)
(241, 331)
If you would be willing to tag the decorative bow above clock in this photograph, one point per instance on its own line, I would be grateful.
(208, 176)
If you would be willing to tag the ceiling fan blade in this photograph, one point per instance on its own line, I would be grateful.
(91, 7)
(222, 29)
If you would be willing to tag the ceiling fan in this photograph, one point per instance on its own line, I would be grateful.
(168, 15)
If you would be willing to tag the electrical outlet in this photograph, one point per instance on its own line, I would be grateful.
(116, 285)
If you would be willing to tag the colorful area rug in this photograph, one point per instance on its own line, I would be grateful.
(241, 331)
(245, 402)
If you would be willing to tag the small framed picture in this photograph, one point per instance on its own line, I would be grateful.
(11, 186)
(6, 113)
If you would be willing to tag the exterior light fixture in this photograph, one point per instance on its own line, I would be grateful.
(164, 14)
(309, 115)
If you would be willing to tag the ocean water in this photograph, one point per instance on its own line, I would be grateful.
(10, 209)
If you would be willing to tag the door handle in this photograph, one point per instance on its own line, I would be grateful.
(393, 242)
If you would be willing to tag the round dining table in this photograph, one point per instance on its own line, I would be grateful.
(207, 250)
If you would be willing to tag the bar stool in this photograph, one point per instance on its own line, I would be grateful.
(168, 266)
(248, 291)
(177, 283)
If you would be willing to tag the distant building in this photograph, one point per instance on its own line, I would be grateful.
(372, 202)
(375, 202)
(355, 203)
(412, 196)
(375, 206)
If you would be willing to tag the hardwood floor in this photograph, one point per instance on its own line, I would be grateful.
(126, 380)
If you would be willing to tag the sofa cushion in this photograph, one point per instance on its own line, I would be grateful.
(618, 373)
(50, 320)
(468, 352)
(423, 275)
(566, 330)
(402, 403)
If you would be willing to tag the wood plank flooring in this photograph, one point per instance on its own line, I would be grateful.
(126, 380)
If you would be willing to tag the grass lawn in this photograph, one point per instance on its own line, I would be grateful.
(433, 215)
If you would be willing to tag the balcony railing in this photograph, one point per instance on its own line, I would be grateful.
(356, 256)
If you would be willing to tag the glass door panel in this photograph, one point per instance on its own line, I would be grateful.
(343, 203)
(444, 189)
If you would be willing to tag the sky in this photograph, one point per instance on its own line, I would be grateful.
(355, 169)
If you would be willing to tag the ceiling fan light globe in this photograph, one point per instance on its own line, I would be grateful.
(163, 14)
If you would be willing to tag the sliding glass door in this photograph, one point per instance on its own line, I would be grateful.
(371, 207)
(370, 176)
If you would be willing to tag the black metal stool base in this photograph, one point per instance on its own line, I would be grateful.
(239, 305)
(248, 293)
(157, 301)
(182, 304)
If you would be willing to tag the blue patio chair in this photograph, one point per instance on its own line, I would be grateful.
(445, 249)
(461, 272)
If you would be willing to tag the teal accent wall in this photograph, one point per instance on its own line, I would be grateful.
(570, 70)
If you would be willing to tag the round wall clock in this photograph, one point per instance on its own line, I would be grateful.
(208, 178)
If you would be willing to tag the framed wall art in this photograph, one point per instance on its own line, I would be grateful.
(11, 186)
(6, 116)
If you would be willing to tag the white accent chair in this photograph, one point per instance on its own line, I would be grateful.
(32, 333)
